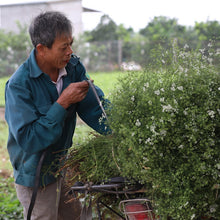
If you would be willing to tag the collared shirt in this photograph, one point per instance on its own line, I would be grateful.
(59, 82)
(37, 122)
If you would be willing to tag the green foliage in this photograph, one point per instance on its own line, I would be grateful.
(10, 206)
(166, 134)
(106, 30)
(14, 49)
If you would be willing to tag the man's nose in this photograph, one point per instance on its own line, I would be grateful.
(70, 50)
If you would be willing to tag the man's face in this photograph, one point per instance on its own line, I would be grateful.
(60, 53)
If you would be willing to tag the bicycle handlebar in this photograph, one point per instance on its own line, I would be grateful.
(94, 187)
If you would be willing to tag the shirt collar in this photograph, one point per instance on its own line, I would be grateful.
(62, 72)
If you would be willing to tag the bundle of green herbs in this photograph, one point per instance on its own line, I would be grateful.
(166, 134)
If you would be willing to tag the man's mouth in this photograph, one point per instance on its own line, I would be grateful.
(67, 61)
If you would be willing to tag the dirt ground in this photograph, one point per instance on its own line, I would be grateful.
(2, 114)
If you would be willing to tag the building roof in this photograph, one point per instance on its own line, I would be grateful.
(45, 2)
(35, 2)
(89, 10)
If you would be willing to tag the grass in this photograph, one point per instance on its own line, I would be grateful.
(106, 81)
(5, 165)
(3, 80)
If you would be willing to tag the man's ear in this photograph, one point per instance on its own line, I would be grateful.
(41, 49)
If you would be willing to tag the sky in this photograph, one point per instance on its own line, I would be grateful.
(138, 13)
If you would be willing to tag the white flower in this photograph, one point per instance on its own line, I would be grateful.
(150, 102)
(211, 113)
(132, 98)
(180, 88)
(146, 84)
(186, 46)
(209, 44)
(181, 68)
(152, 128)
(218, 88)
(145, 159)
(185, 112)
(157, 92)
(161, 120)
(186, 203)
(163, 132)
(147, 140)
(162, 99)
(193, 216)
(162, 89)
(138, 123)
(213, 208)
(181, 146)
(167, 108)
(173, 88)
(210, 60)
(202, 50)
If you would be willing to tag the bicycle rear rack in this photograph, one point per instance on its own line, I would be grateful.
(133, 209)
(137, 209)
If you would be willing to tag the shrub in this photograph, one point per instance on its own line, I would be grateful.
(166, 134)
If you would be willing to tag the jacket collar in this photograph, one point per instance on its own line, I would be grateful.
(35, 70)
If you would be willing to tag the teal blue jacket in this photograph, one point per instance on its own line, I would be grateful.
(37, 122)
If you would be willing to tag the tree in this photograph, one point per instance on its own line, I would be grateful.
(206, 32)
(105, 30)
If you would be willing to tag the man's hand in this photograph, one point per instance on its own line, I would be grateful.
(74, 93)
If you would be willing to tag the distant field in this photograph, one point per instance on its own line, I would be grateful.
(106, 81)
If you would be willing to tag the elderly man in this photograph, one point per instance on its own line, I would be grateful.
(42, 99)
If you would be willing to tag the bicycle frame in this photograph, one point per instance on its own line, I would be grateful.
(132, 209)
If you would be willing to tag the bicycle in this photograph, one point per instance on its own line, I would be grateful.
(132, 205)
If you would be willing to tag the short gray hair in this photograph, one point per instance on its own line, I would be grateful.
(47, 26)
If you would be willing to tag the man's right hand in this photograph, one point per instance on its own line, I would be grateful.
(74, 93)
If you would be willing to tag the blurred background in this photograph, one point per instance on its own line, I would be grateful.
(112, 35)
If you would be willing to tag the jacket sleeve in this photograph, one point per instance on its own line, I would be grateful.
(31, 130)
(90, 112)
